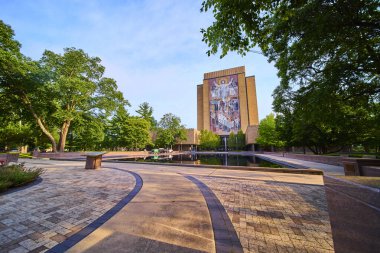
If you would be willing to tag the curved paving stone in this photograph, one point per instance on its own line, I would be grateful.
(225, 237)
(274, 216)
(80, 235)
(168, 215)
(68, 199)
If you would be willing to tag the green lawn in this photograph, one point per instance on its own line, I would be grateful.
(17, 175)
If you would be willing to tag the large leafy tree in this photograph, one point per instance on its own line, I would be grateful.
(135, 133)
(236, 141)
(125, 131)
(209, 140)
(240, 140)
(79, 87)
(170, 131)
(58, 89)
(146, 112)
(86, 133)
(324, 51)
(15, 134)
(268, 135)
(15, 71)
(19, 76)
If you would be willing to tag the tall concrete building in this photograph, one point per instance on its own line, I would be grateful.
(227, 102)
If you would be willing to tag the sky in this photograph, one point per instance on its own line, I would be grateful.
(152, 48)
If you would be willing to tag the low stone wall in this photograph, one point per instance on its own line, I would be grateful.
(354, 212)
(59, 155)
(372, 171)
(76, 155)
(332, 160)
(361, 167)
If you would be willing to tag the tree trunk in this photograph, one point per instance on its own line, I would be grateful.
(48, 134)
(63, 135)
(40, 123)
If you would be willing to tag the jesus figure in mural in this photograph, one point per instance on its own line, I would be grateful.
(223, 89)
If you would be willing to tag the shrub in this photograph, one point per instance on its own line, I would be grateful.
(17, 175)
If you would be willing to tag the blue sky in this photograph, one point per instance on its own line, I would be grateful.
(152, 48)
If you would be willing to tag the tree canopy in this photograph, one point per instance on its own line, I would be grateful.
(56, 90)
(327, 56)
(146, 112)
(236, 141)
(170, 131)
(268, 135)
(209, 140)
(127, 131)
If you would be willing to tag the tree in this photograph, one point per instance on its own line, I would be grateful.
(170, 131)
(87, 133)
(324, 51)
(240, 137)
(18, 74)
(146, 112)
(268, 136)
(127, 131)
(236, 141)
(12, 62)
(14, 69)
(135, 133)
(15, 134)
(300, 38)
(58, 89)
(209, 140)
(79, 87)
(232, 141)
(342, 123)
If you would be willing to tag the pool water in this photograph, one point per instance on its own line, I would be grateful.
(203, 159)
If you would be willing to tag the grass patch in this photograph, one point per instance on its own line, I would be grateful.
(17, 175)
(25, 155)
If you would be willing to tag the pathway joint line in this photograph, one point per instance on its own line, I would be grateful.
(80, 235)
(225, 236)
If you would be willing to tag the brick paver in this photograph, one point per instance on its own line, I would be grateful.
(68, 199)
(274, 216)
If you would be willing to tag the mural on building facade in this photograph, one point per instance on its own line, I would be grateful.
(224, 105)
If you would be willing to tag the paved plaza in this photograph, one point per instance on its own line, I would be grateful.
(275, 216)
(174, 209)
(67, 200)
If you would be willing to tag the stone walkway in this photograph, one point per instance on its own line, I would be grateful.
(67, 200)
(270, 212)
(275, 217)
(168, 215)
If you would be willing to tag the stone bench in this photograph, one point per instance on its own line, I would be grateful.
(361, 167)
(9, 158)
(93, 160)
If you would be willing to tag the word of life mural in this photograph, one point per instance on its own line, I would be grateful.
(224, 105)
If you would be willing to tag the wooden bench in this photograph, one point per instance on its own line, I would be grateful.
(9, 158)
(93, 160)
